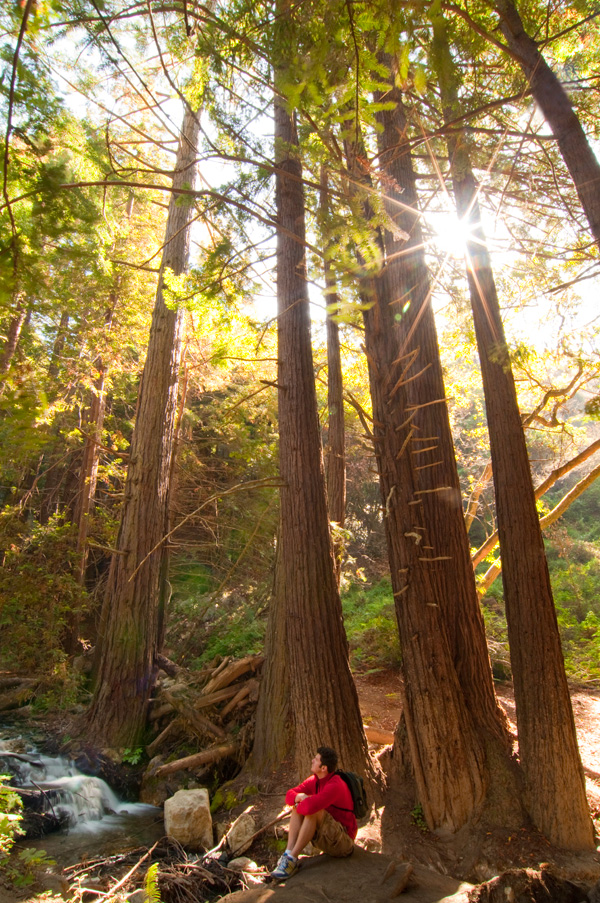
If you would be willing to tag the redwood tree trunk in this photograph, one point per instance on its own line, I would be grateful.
(336, 437)
(555, 785)
(13, 334)
(59, 344)
(88, 474)
(306, 641)
(131, 616)
(452, 717)
(554, 103)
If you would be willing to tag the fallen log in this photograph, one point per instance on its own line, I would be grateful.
(167, 665)
(244, 691)
(4, 754)
(157, 712)
(12, 680)
(203, 702)
(232, 672)
(378, 735)
(171, 728)
(19, 696)
(221, 667)
(198, 722)
(206, 757)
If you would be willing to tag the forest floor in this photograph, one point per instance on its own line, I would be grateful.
(481, 858)
(443, 869)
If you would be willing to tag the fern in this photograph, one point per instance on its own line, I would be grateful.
(151, 889)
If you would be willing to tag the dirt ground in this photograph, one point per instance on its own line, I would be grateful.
(380, 702)
(443, 870)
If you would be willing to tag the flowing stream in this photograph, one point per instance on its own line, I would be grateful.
(94, 822)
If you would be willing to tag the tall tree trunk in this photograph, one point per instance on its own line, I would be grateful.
(13, 334)
(131, 616)
(336, 437)
(555, 785)
(59, 344)
(453, 720)
(307, 643)
(554, 103)
(88, 474)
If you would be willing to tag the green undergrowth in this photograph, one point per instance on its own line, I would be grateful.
(574, 567)
(370, 623)
(202, 628)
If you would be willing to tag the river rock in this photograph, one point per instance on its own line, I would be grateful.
(188, 819)
(243, 864)
(239, 836)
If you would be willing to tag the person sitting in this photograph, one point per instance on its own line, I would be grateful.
(323, 813)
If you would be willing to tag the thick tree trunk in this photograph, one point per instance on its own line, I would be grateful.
(306, 619)
(131, 616)
(558, 112)
(452, 716)
(336, 437)
(555, 786)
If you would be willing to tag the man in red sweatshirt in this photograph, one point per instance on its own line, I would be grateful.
(323, 813)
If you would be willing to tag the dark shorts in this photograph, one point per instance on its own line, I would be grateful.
(331, 837)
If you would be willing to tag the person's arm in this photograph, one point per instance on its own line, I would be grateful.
(306, 788)
(329, 796)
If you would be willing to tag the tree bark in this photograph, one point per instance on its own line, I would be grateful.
(555, 785)
(13, 334)
(336, 437)
(131, 615)
(558, 112)
(59, 344)
(306, 619)
(88, 474)
(452, 717)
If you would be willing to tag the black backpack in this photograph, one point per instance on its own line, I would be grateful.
(356, 787)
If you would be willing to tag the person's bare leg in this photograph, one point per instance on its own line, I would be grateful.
(306, 833)
(294, 829)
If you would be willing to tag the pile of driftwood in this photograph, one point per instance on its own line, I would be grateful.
(179, 878)
(211, 706)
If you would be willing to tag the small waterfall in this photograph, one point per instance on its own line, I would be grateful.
(78, 798)
(75, 800)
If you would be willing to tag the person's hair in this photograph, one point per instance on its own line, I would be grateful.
(329, 758)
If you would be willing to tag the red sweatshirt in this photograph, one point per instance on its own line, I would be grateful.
(331, 794)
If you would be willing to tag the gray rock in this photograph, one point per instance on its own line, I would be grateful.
(239, 836)
(188, 819)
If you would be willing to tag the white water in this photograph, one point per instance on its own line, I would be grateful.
(82, 802)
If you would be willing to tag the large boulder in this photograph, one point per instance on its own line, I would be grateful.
(188, 819)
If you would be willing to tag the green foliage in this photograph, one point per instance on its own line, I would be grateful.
(370, 623)
(151, 888)
(236, 632)
(575, 576)
(39, 594)
(10, 816)
(21, 869)
(418, 818)
(133, 756)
